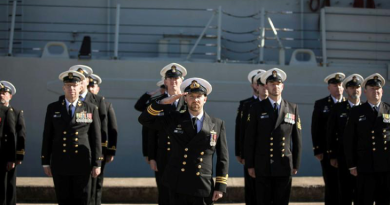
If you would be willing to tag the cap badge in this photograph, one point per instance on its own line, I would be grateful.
(80, 70)
(354, 79)
(375, 77)
(194, 84)
(274, 73)
(173, 69)
(70, 75)
(337, 77)
(90, 80)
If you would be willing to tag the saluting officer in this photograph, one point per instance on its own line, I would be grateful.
(142, 103)
(273, 142)
(159, 145)
(7, 146)
(319, 123)
(71, 145)
(195, 137)
(366, 144)
(112, 128)
(261, 93)
(335, 138)
(7, 91)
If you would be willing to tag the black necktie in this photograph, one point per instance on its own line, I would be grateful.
(194, 124)
(70, 110)
(375, 111)
(276, 110)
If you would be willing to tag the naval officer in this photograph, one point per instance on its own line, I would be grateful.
(195, 136)
(366, 144)
(7, 91)
(71, 145)
(273, 142)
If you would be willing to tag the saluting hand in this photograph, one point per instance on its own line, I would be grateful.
(217, 195)
(95, 172)
(171, 99)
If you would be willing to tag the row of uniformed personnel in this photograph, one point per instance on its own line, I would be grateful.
(268, 139)
(80, 137)
(350, 140)
(12, 143)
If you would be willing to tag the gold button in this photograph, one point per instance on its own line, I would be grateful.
(76, 145)
(197, 173)
(314, 148)
(337, 139)
(64, 150)
(283, 138)
(168, 142)
(385, 148)
(282, 155)
(169, 149)
(64, 132)
(383, 130)
(185, 156)
(271, 144)
(64, 138)
(186, 149)
(169, 137)
(384, 136)
(76, 133)
(272, 138)
(202, 153)
(76, 151)
(184, 163)
(385, 142)
(43, 157)
(183, 170)
(373, 143)
(373, 137)
(373, 131)
(373, 149)
(330, 151)
(76, 139)
(318, 147)
(199, 166)
(64, 145)
(282, 150)
(271, 150)
(201, 159)
(271, 155)
(283, 144)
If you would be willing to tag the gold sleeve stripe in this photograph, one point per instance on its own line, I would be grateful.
(153, 110)
(105, 144)
(21, 152)
(221, 182)
(112, 148)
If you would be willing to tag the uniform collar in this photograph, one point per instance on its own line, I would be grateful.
(200, 117)
(84, 94)
(68, 103)
(272, 102)
(255, 97)
(376, 106)
(335, 100)
(353, 105)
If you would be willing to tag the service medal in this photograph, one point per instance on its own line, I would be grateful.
(213, 138)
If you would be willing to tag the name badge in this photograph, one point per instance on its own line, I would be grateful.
(84, 117)
(57, 116)
(264, 115)
(343, 115)
(213, 138)
(289, 118)
(362, 118)
(326, 109)
(178, 131)
(386, 118)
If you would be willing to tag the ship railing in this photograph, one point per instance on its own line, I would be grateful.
(189, 40)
